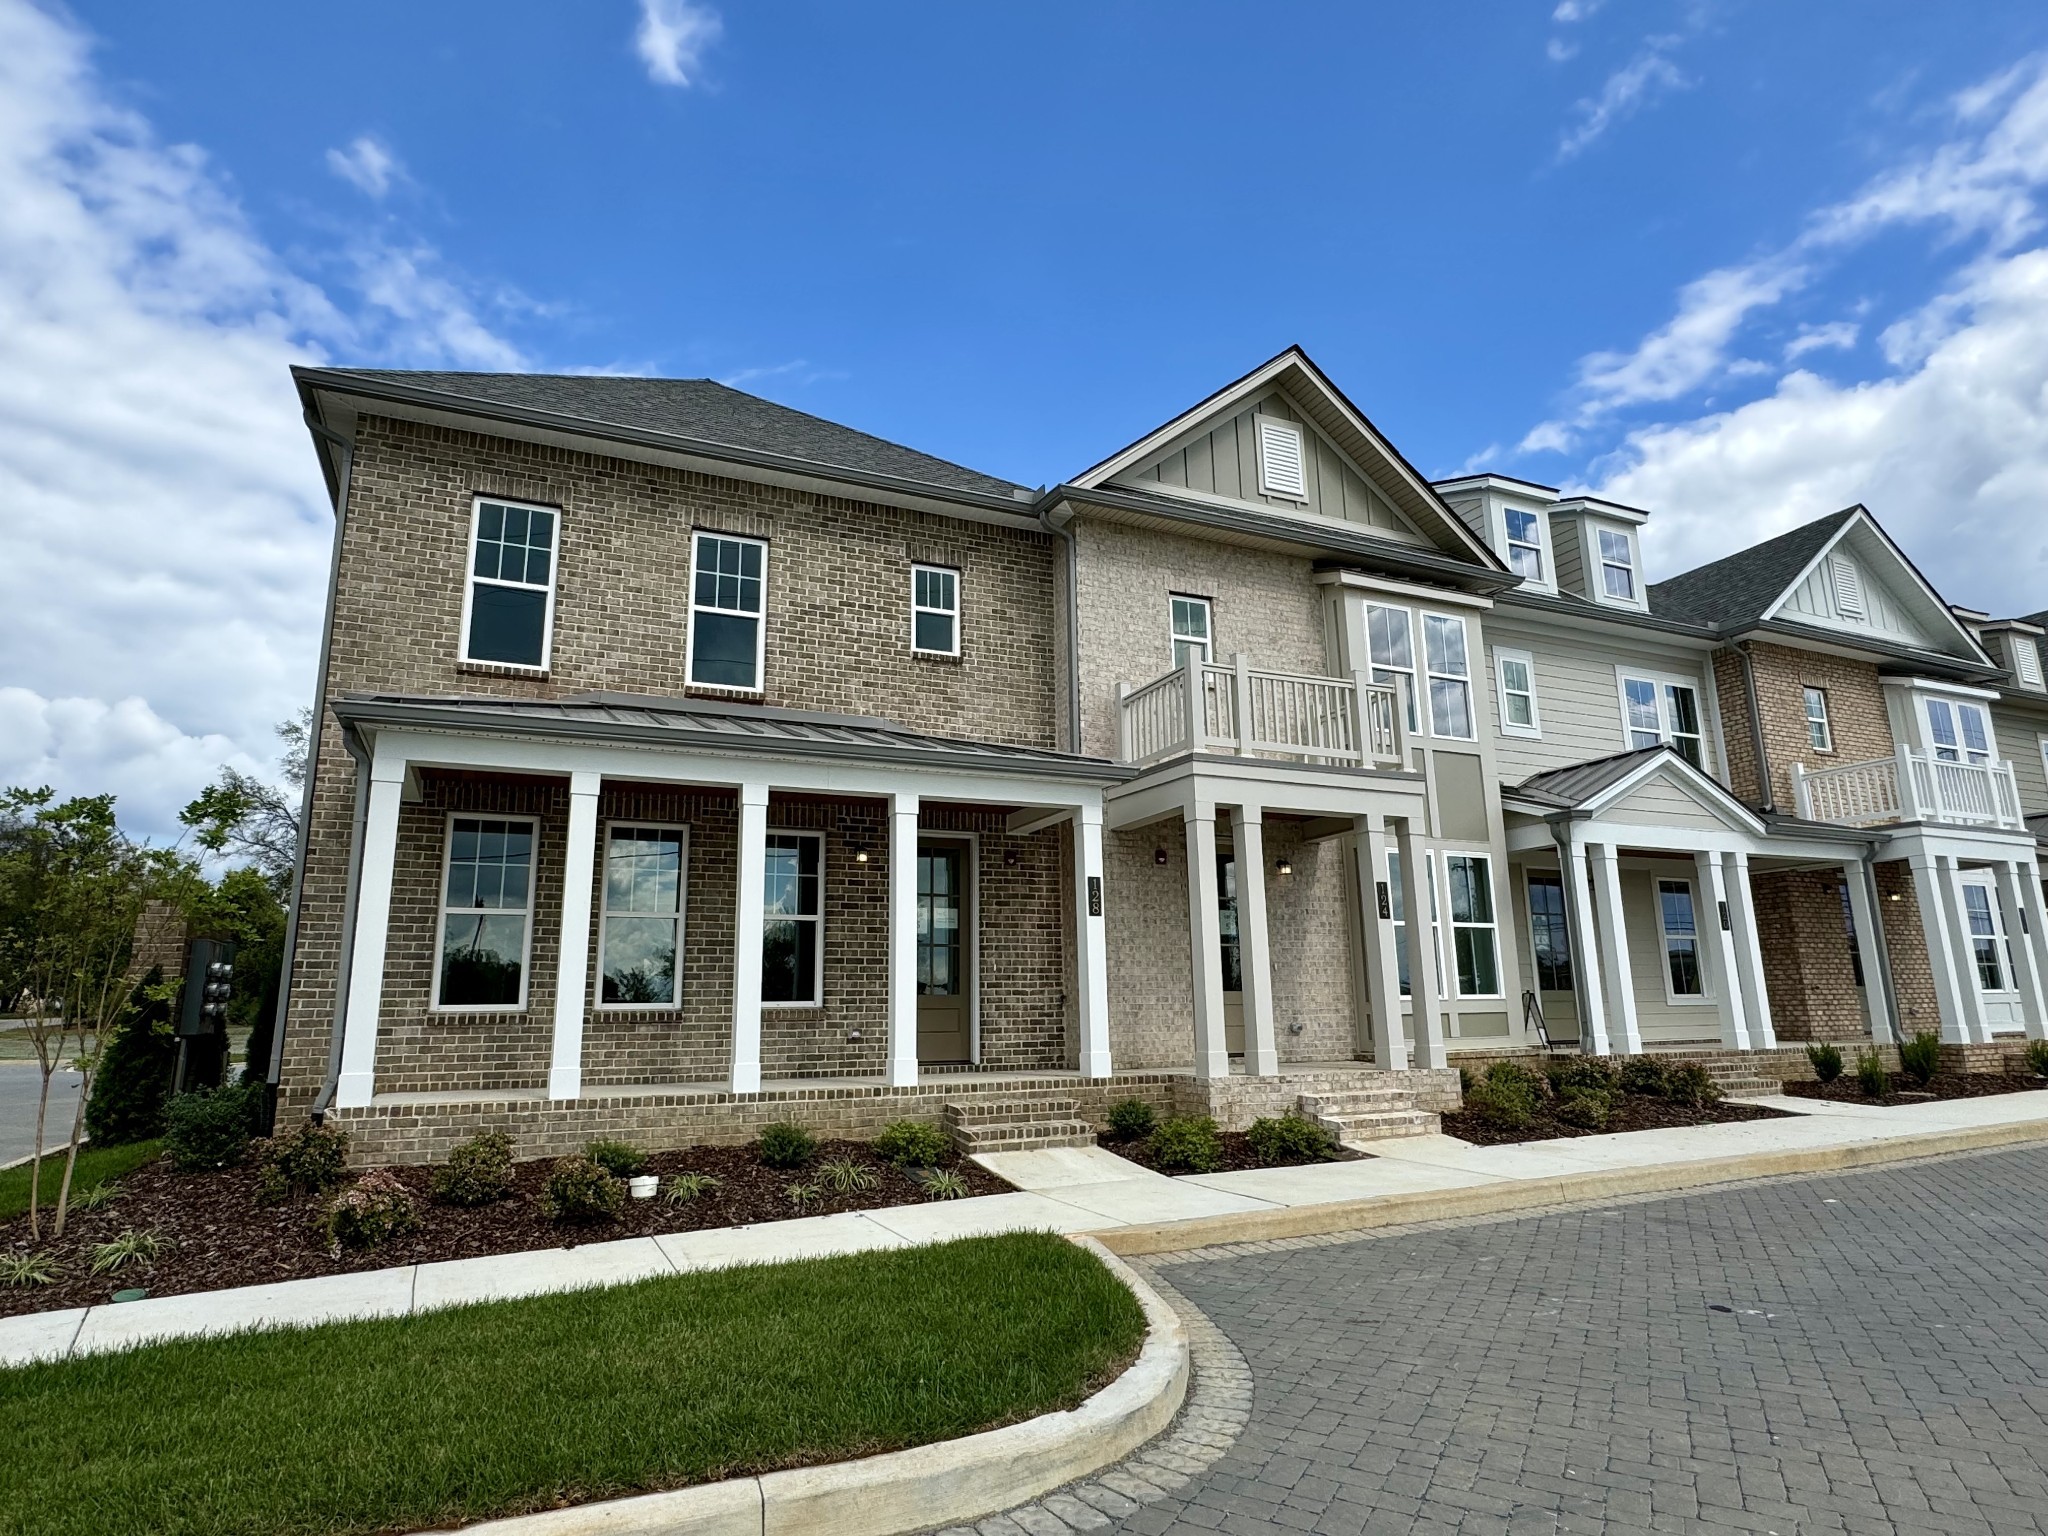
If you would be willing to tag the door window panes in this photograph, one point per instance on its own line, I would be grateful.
(1226, 922)
(1984, 936)
(941, 904)
(1549, 933)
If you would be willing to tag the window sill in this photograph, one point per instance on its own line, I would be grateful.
(502, 669)
(740, 695)
(938, 658)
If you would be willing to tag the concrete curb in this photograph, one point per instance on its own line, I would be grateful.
(1553, 1189)
(927, 1486)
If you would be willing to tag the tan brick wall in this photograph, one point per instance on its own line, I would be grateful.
(1308, 925)
(1145, 910)
(1808, 970)
(1856, 712)
(1906, 942)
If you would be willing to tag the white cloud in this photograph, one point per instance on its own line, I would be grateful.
(1557, 50)
(672, 38)
(1627, 91)
(367, 164)
(1569, 11)
(1836, 335)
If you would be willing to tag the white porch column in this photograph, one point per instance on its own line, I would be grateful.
(1956, 993)
(2011, 876)
(1749, 954)
(1583, 930)
(746, 938)
(1621, 981)
(572, 968)
(1254, 953)
(1877, 985)
(1091, 942)
(1205, 941)
(357, 1083)
(902, 940)
(1382, 958)
(1716, 925)
(2037, 934)
(1417, 906)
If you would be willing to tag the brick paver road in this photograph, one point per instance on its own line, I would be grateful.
(1861, 1352)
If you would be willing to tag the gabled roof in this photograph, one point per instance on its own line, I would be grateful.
(1594, 785)
(1744, 586)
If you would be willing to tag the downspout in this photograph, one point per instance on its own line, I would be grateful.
(337, 1034)
(1066, 535)
(346, 451)
(1767, 801)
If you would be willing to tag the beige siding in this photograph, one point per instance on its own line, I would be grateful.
(2019, 738)
(1658, 803)
(1658, 1020)
(1885, 613)
(1577, 697)
(1567, 554)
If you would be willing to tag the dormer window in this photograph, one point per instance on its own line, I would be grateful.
(1525, 544)
(1283, 466)
(1617, 566)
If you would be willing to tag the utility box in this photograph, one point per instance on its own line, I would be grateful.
(209, 978)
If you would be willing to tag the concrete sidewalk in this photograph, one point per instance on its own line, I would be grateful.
(1064, 1190)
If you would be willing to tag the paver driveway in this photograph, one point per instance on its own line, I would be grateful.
(1858, 1352)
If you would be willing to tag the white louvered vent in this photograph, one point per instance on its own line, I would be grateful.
(1848, 583)
(2026, 660)
(1281, 470)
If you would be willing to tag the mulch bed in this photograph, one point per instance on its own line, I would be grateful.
(1632, 1112)
(1943, 1085)
(1237, 1154)
(221, 1237)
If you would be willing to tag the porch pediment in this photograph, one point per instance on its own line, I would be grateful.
(1651, 787)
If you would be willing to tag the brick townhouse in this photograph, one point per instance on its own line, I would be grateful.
(685, 762)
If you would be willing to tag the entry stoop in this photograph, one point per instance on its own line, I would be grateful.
(1740, 1075)
(1021, 1122)
(1368, 1114)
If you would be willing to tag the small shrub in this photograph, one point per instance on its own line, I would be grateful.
(128, 1248)
(784, 1145)
(1503, 1105)
(1691, 1086)
(479, 1172)
(1871, 1076)
(1187, 1144)
(1464, 1081)
(211, 1127)
(944, 1184)
(309, 1161)
(914, 1144)
(1292, 1138)
(1827, 1062)
(1643, 1075)
(1592, 1074)
(96, 1197)
(580, 1192)
(1132, 1120)
(2037, 1057)
(844, 1176)
(29, 1269)
(620, 1159)
(803, 1196)
(1918, 1058)
(685, 1187)
(1586, 1108)
(371, 1211)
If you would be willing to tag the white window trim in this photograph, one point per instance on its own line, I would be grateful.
(1529, 880)
(1704, 998)
(2026, 659)
(1534, 729)
(1957, 704)
(818, 978)
(1432, 676)
(1174, 642)
(1807, 692)
(1436, 925)
(2001, 937)
(1261, 427)
(916, 607)
(604, 912)
(470, 580)
(1546, 570)
(697, 537)
(1601, 563)
(442, 909)
(1404, 682)
(1624, 675)
(2041, 745)
(1450, 961)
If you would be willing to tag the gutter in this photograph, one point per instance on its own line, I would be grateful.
(1768, 800)
(332, 1080)
(1064, 532)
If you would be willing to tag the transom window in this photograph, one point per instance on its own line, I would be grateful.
(1958, 732)
(1525, 544)
(1617, 565)
(1391, 650)
(511, 595)
(1475, 938)
(728, 585)
(1450, 676)
(934, 610)
(1819, 735)
(641, 943)
(1657, 710)
(1516, 674)
(486, 912)
(1550, 933)
(1191, 637)
(792, 936)
(1678, 925)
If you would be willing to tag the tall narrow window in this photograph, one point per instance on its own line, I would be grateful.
(486, 907)
(1475, 938)
(1849, 932)
(1392, 651)
(1450, 676)
(1226, 922)
(1283, 467)
(934, 610)
(728, 585)
(792, 952)
(1819, 735)
(1679, 926)
(1190, 618)
(1550, 933)
(1984, 936)
(640, 945)
(1525, 544)
(1617, 565)
(511, 596)
(1398, 906)
(1657, 710)
(1516, 673)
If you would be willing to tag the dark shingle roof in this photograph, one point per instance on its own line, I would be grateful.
(1739, 588)
(702, 409)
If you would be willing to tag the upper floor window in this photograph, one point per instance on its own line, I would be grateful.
(1525, 544)
(640, 941)
(1450, 676)
(1659, 711)
(1819, 735)
(1190, 629)
(1515, 671)
(486, 904)
(1283, 466)
(511, 597)
(1617, 565)
(1958, 732)
(1391, 650)
(728, 587)
(934, 610)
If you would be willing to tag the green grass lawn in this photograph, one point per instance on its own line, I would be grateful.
(512, 1406)
(95, 1166)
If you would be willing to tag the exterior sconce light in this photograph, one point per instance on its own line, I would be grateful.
(860, 853)
(1158, 855)
(1893, 896)
(1285, 866)
(1011, 858)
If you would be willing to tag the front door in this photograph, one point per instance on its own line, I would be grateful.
(1550, 943)
(943, 1023)
(1990, 950)
(1233, 966)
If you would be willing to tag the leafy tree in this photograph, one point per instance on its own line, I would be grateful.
(246, 817)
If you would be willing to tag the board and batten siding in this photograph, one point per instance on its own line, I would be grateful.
(1816, 600)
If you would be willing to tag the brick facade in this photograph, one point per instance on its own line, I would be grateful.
(1912, 970)
(1857, 717)
(1809, 966)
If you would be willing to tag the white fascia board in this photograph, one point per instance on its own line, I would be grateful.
(1944, 616)
(1412, 592)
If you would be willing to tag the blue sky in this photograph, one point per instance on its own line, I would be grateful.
(1738, 263)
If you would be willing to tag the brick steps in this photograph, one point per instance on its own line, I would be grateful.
(1017, 1123)
(1740, 1078)
(1368, 1114)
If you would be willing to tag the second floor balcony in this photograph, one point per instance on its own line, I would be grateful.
(1911, 785)
(1235, 708)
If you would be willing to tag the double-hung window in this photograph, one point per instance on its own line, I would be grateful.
(641, 942)
(728, 590)
(510, 604)
(1392, 651)
(1189, 617)
(486, 913)
(1819, 735)
(1958, 732)
(1525, 544)
(1475, 937)
(1515, 672)
(1617, 565)
(1678, 926)
(1397, 904)
(1550, 932)
(1984, 935)
(934, 610)
(792, 930)
(1657, 710)
(1450, 676)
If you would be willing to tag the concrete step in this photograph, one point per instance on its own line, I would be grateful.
(1352, 1129)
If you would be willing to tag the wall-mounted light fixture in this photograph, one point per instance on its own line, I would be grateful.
(1894, 896)
(860, 853)
(1158, 855)
(1285, 866)
(1012, 858)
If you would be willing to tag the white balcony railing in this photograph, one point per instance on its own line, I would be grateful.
(1202, 706)
(1913, 785)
